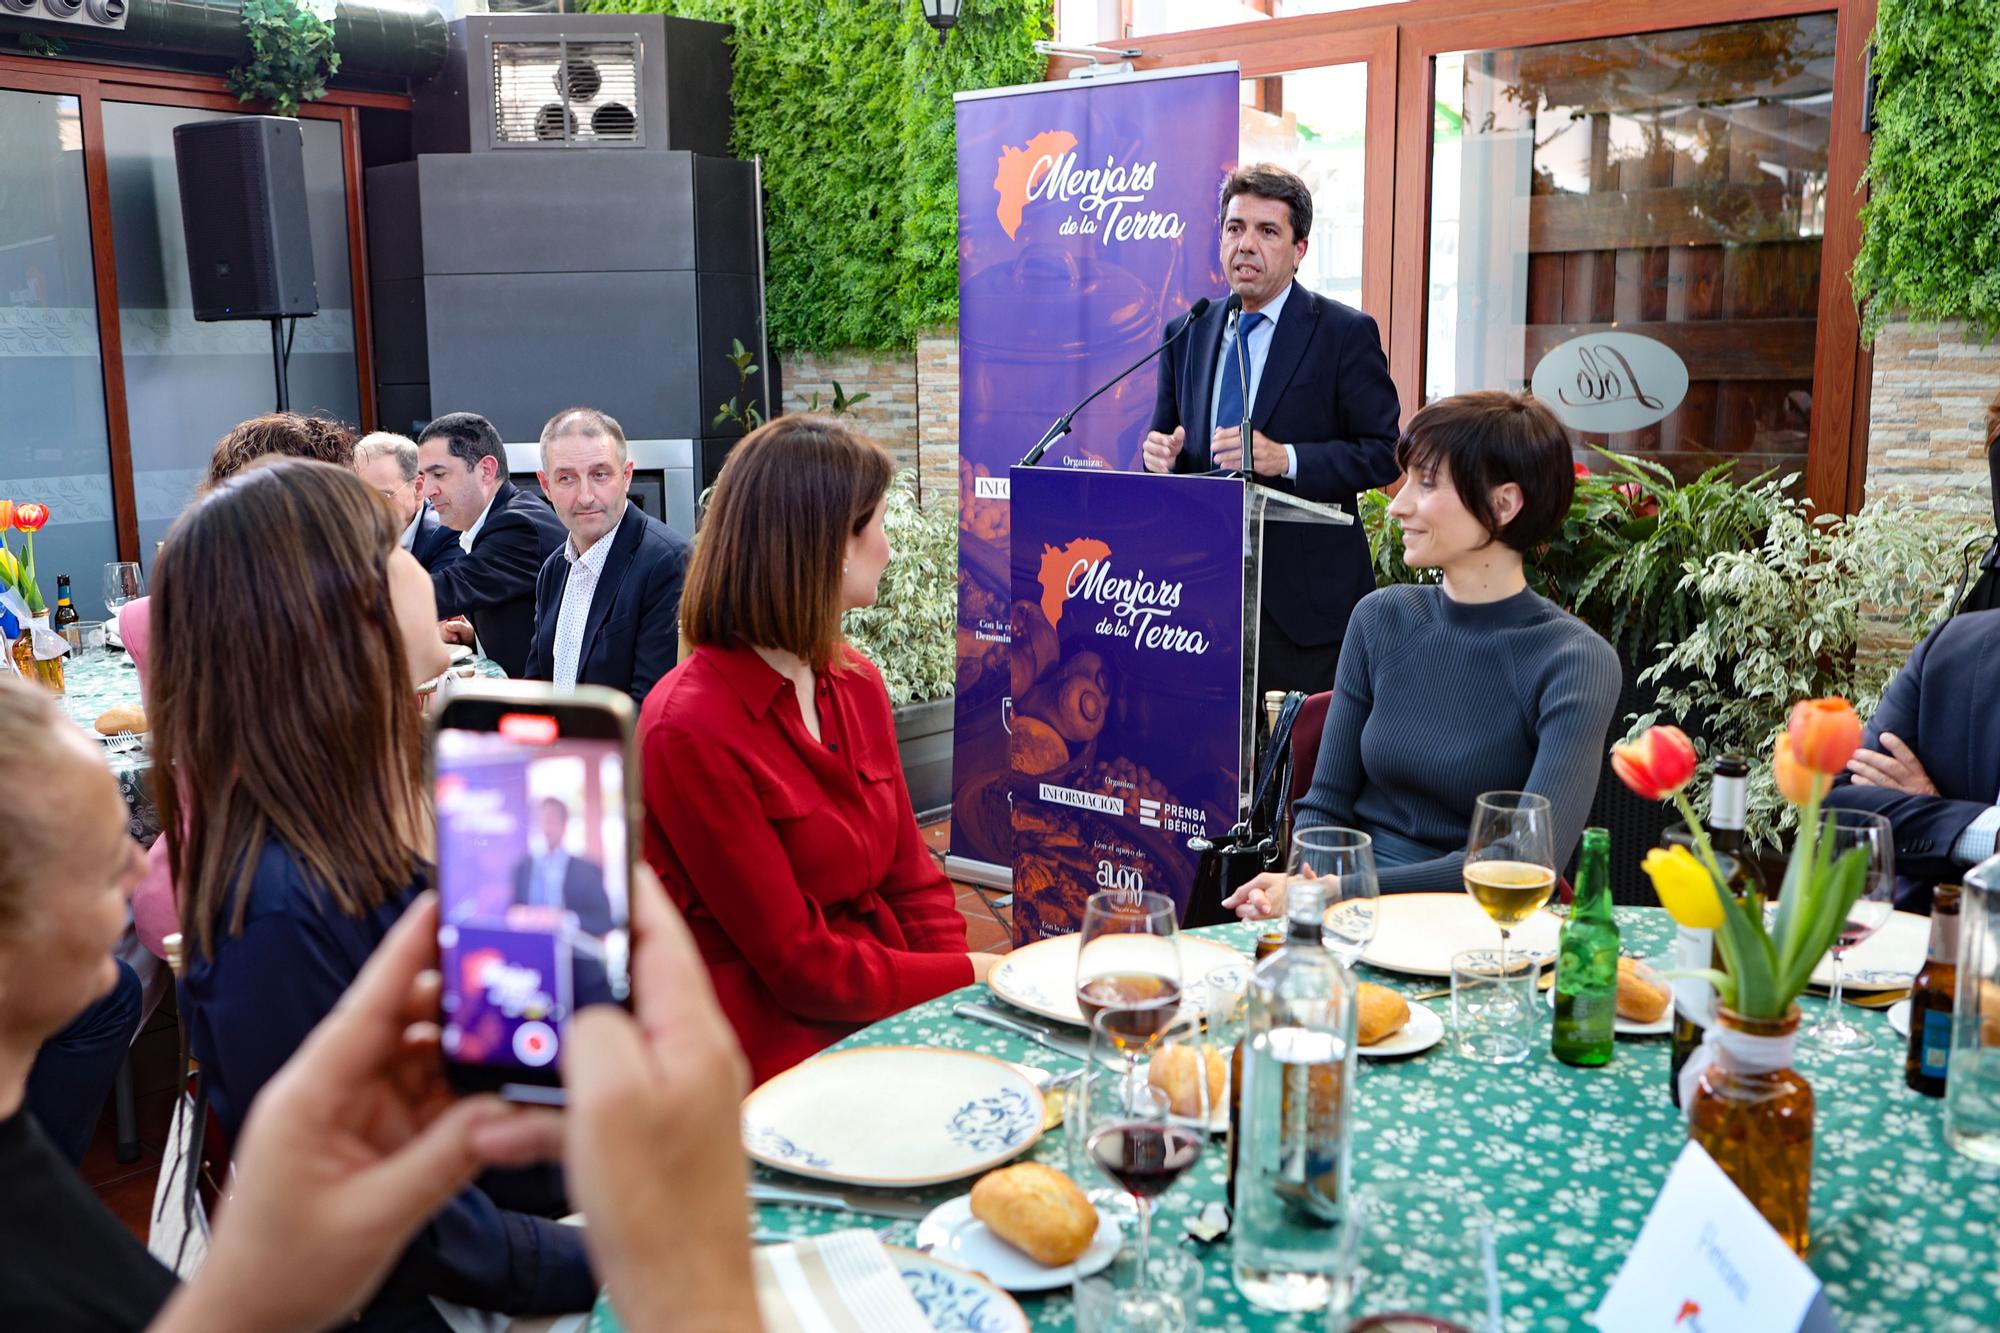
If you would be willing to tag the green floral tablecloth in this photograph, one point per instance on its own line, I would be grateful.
(1906, 1233)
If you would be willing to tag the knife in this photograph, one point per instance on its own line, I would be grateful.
(1072, 1047)
(797, 1197)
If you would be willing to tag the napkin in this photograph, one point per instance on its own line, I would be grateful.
(844, 1282)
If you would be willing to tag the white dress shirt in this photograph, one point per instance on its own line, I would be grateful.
(574, 614)
(409, 538)
(1257, 347)
(471, 534)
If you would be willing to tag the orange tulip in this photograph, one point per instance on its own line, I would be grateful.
(1824, 734)
(1656, 765)
(1794, 779)
(30, 517)
(6, 514)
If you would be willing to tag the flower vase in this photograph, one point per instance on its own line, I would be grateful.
(48, 671)
(1753, 1114)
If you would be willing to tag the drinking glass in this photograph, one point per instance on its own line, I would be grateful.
(1342, 860)
(1161, 1297)
(124, 581)
(1845, 830)
(1416, 1258)
(1127, 955)
(1493, 1010)
(1510, 863)
(1142, 1144)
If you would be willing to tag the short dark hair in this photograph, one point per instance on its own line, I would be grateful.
(285, 434)
(470, 438)
(1267, 180)
(1488, 439)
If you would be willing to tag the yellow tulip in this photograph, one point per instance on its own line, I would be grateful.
(10, 569)
(1684, 887)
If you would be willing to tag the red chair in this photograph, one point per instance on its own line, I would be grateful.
(1305, 743)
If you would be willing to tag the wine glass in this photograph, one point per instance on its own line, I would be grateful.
(1142, 1144)
(1127, 955)
(1342, 861)
(1510, 864)
(124, 581)
(1846, 830)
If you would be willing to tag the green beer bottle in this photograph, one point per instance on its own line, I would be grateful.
(1587, 962)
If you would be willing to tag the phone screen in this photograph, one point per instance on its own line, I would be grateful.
(533, 884)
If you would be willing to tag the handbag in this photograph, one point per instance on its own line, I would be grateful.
(1256, 843)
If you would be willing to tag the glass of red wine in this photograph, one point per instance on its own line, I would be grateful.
(1140, 1142)
(1844, 831)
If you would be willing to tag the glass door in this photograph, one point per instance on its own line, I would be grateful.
(1315, 122)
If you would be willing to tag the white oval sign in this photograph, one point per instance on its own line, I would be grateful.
(1611, 381)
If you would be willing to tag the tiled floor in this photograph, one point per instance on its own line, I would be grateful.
(127, 1188)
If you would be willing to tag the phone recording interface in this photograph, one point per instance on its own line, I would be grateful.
(532, 887)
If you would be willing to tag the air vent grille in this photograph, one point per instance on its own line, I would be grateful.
(566, 94)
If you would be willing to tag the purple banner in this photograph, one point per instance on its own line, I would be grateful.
(1087, 220)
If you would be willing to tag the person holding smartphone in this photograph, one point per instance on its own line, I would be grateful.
(290, 630)
(775, 807)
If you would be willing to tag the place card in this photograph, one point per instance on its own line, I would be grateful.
(1707, 1262)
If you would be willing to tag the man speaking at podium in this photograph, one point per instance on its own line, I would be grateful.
(1323, 417)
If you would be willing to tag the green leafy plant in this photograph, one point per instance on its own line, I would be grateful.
(910, 634)
(291, 54)
(741, 408)
(849, 105)
(841, 404)
(36, 44)
(1930, 229)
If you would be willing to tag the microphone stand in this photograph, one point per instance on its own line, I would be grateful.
(1061, 425)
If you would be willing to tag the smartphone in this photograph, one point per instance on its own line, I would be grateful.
(537, 816)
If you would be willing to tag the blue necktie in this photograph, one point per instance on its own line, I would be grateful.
(1229, 410)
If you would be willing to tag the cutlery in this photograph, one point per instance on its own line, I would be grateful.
(797, 1197)
(993, 1018)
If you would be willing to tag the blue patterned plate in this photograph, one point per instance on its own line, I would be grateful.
(954, 1300)
(895, 1117)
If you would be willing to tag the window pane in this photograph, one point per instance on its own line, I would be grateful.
(1669, 185)
(186, 383)
(53, 445)
(1315, 122)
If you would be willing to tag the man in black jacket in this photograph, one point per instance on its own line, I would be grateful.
(608, 602)
(505, 533)
(388, 462)
(1323, 415)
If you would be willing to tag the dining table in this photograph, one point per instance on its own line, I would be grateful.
(1566, 1160)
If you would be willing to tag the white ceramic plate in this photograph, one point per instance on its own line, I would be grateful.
(1424, 1030)
(893, 1116)
(1417, 933)
(955, 1300)
(952, 1232)
(1626, 1027)
(1899, 1017)
(1041, 977)
(460, 652)
(1886, 960)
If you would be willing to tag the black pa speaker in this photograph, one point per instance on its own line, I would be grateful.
(243, 212)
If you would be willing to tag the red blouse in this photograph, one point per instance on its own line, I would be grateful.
(797, 862)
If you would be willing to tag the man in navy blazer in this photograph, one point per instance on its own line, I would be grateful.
(1323, 415)
(388, 462)
(1930, 757)
(608, 601)
(556, 878)
(505, 533)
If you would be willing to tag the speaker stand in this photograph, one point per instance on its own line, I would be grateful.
(278, 364)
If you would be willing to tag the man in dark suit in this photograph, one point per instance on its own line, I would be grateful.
(1323, 416)
(505, 533)
(388, 462)
(554, 878)
(1930, 757)
(608, 602)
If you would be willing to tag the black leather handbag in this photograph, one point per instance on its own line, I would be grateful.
(1254, 845)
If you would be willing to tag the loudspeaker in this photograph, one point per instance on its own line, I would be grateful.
(243, 212)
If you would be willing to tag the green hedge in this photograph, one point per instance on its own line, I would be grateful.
(1931, 227)
(849, 104)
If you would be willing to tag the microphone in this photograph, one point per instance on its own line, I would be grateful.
(1061, 426)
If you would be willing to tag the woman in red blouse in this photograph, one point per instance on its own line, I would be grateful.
(776, 812)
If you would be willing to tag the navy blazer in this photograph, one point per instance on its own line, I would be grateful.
(249, 1007)
(434, 544)
(493, 585)
(582, 892)
(1326, 392)
(632, 636)
(1941, 706)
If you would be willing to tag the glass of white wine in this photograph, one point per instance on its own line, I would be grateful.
(1510, 864)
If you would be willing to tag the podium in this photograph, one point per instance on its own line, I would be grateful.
(1131, 725)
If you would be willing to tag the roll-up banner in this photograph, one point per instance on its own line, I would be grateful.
(1087, 221)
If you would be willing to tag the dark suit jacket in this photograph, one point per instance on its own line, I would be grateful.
(583, 892)
(1326, 392)
(1941, 706)
(493, 585)
(435, 545)
(632, 636)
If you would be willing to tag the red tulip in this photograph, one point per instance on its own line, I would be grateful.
(30, 517)
(1656, 765)
(1824, 734)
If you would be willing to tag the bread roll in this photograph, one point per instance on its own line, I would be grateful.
(1036, 1209)
(1381, 1013)
(1172, 1071)
(1642, 997)
(125, 717)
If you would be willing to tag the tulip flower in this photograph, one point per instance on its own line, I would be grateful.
(1824, 734)
(1797, 783)
(1658, 764)
(6, 515)
(1684, 887)
(30, 517)
(10, 570)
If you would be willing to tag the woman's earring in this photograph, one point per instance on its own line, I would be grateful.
(843, 566)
